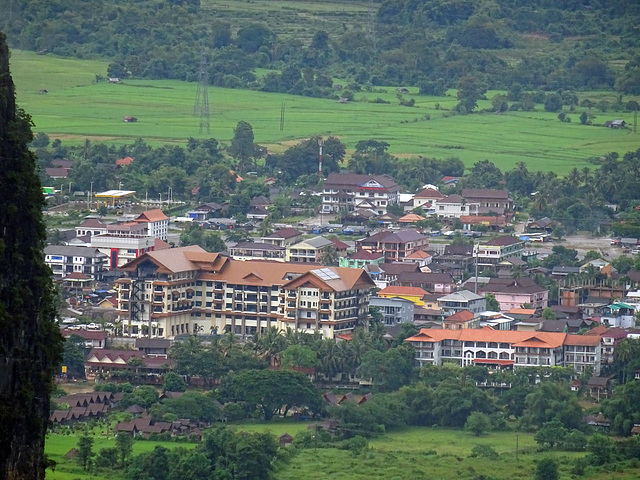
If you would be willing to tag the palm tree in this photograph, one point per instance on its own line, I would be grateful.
(266, 226)
(329, 257)
(586, 176)
(331, 360)
(625, 353)
(228, 342)
(574, 177)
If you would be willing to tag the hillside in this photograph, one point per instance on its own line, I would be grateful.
(572, 44)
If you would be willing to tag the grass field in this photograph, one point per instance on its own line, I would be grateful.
(293, 19)
(76, 108)
(413, 453)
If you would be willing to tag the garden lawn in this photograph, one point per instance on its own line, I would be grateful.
(77, 108)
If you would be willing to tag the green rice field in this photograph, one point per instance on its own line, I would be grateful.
(412, 453)
(76, 108)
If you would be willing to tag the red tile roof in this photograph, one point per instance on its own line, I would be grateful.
(460, 317)
(124, 161)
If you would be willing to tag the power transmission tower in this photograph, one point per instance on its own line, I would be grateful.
(371, 25)
(201, 105)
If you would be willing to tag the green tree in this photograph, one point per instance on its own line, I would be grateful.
(270, 391)
(85, 451)
(551, 434)
(470, 90)
(124, 446)
(553, 102)
(242, 147)
(492, 304)
(299, 356)
(547, 469)
(548, 314)
(478, 423)
(173, 383)
(73, 355)
(30, 339)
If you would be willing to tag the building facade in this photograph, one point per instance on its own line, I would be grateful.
(189, 291)
(348, 191)
(64, 260)
(497, 348)
(394, 311)
(394, 245)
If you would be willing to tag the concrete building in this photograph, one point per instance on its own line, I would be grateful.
(500, 349)
(462, 300)
(308, 251)
(187, 291)
(64, 260)
(157, 223)
(349, 191)
(394, 311)
(122, 249)
(394, 245)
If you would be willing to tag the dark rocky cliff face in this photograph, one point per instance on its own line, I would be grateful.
(30, 342)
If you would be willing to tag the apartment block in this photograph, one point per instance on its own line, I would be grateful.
(189, 291)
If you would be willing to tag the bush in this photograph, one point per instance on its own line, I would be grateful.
(485, 451)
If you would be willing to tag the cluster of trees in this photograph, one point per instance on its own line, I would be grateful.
(367, 354)
(222, 453)
(431, 45)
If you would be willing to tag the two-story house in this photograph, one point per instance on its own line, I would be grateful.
(462, 300)
(488, 200)
(348, 191)
(308, 251)
(432, 282)
(514, 293)
(497, 250)
(395, 245)
(283, 237)
(455, 206)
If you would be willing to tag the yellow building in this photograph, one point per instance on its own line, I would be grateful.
(413, 294)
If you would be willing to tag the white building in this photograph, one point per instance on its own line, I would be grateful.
(64, 260)
(348, 191)
(157, 223)
(121, 250)
(454, 206)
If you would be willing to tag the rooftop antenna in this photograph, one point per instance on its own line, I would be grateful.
(201, 105)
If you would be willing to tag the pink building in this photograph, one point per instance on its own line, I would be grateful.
(513, 293)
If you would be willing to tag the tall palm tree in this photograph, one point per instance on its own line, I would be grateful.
(266, 226)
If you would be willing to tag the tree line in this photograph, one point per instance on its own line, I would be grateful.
(431, 45)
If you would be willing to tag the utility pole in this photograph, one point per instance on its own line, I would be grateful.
(475, 254)
(320, 145)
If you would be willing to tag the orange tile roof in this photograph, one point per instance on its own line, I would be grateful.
(399, 290)
(460, 317)
(418, 254)
(154, 215)
(589, 340)
(488, 334)
(523, 311)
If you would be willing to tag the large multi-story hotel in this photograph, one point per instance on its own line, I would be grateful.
(190, 291)
(506, 349)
